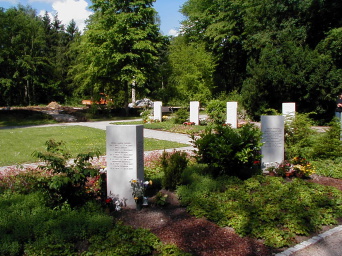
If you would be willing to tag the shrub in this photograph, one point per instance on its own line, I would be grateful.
(299, 136)
(173, 166)
(181, 116)
(328, 145)
(146, 115)
(228, 151)
(68, 184)
(216, 111)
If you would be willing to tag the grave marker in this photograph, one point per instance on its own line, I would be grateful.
(232, 114)
(157, 110)
(125, 159)
(272, 150)
(194, 112)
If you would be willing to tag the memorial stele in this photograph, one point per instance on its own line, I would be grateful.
(272, 150)
(125, 160)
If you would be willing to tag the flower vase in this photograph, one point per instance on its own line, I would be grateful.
(145, 201)
(139, 203)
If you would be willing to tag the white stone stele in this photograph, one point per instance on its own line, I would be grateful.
(272, 150)
(194, 112)
(289, 110)
(157, 110)
(125, 160)
(232, 114)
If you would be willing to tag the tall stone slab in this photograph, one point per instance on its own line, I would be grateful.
(232, 114)
(272, 128)
(125, 159)
(194, 112)
(157, 110)
(289, 110)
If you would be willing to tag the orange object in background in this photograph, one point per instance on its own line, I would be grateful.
(102, 101)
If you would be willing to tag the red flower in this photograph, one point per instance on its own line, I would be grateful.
(108, 200)
(256, 162)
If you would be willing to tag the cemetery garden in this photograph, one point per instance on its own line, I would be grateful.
(215, 200)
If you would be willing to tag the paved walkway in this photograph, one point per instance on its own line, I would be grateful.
(328, 243)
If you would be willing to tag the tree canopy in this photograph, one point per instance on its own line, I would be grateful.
(119, 48)
(266, 51)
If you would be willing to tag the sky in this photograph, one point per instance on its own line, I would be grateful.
(168, 11)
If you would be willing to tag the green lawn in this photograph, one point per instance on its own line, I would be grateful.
(17, 145)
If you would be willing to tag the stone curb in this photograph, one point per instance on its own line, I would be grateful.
(309, 242)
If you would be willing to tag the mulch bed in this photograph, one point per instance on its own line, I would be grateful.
(198, 236)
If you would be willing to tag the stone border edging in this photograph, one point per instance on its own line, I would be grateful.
(309, 242)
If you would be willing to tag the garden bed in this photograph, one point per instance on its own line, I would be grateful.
(198, 236)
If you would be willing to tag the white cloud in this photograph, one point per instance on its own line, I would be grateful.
(72, 9)
(68, 10)
(173, 32)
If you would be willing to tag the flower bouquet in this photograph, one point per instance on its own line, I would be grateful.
(138, 191)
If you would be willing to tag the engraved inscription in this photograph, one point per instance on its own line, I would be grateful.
(121, 155)
(273, 137)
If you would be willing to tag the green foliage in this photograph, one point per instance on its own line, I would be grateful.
(146, 115)
(173, 166)
(301, 140)
(69, 180)
(120, 47)
(181, 116)
(35, 57)
(28, 225)
(216, 111)
(298, 136)
(263, 206)
(293, 73)
(328, 145)
(192, 70)
(228, 151)
(161, 198)
(329, 167)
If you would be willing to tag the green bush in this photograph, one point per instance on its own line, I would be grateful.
(228, 151)
(216, 111)
(181, 116)
(263, 207)
(173, 166)
(68, 181)
(301, 140)
(328, 144)
(299, 136)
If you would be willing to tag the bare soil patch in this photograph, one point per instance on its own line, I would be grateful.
(172, 224)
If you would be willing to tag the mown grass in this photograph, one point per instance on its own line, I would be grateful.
(17, 145)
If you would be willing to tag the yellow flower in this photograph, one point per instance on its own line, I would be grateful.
(136, 198)
(150, 182)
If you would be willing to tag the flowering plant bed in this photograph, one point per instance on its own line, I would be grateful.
(296, 167)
